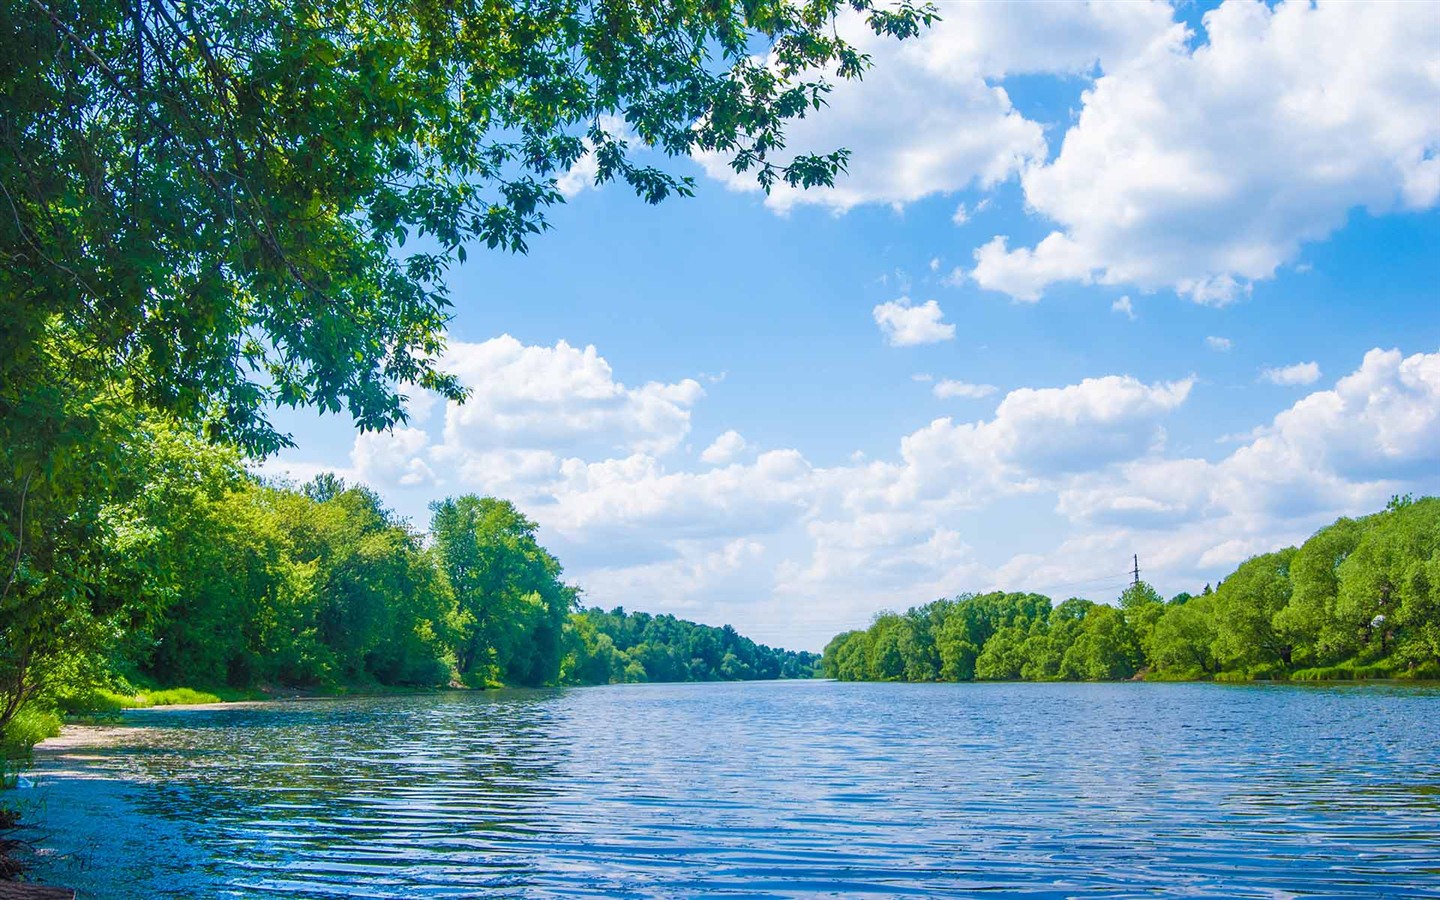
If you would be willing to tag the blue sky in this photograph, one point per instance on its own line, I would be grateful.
(1183, 266)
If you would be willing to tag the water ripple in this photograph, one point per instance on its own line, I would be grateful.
(766, 790)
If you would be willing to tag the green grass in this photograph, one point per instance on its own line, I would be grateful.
(29, 726)
(100, 702)
(1233, 676)
(177, 697)
(1343, 672)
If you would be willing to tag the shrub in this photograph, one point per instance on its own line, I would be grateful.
(28, 727)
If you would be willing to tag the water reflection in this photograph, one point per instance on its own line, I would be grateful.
(766, 790)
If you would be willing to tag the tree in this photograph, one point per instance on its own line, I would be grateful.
(1002, 658)
(512, 604)
(1312, 620)
(602, 647)
(1247, 605)
(216, 199)
(1105, 649)
(1389, 596)
(890, 634)
(1143, 606)
(848, 655)
(209, 209)
(1182, 641)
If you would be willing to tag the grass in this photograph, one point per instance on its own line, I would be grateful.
(1343, 672)
(177, 697)
(29, 726)
(100, 702)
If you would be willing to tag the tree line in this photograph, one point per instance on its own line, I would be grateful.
(1358, 599)
(203, 575)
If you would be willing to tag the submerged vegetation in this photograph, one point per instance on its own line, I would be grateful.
(1359, 599)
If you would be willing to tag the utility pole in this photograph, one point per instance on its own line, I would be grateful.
(1136, 573)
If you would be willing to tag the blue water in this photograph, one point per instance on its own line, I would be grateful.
(763, 790)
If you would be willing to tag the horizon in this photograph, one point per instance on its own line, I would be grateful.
(1043, 324)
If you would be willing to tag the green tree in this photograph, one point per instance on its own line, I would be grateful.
(603, 647)
(1002, 658)
(1312, 620)
(1105, 649)
(213, 209)
(1183, 640)
(1247, 605)
(889, 636)
(1143, 606)
(1388, 594)
(234, 184)
(512, 605)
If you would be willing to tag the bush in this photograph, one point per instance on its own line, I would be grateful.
(1426, 671)
(28, 727)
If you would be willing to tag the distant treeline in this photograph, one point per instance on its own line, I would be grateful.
(1360, 598)
(616, 646)
(202, 575)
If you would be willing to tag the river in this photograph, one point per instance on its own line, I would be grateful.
(782, 789)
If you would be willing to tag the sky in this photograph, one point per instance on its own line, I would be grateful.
(1103, 280)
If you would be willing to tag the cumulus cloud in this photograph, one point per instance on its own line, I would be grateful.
(772, 539)
(561, 398)
(945, 389)
(1205, 166)
(1219, 344)
(1124, 307)
(1298, 374)
(725, 448)
(1025, 273)
(905, 325)
(1047, 431)
(1335, 452)
(392, 457)
(931, 116)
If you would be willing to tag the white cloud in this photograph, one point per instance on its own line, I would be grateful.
(725, 449)
(393, 456)
(1124, 307)
(559, 398)
(1047, 431)
(777, 541)
(946, 388)
(965, 213)
(905, 325)
(1205, 168)
(930, 116)
(1024, 273)
(1298, 374)
(1219, 344)
(1336, 452)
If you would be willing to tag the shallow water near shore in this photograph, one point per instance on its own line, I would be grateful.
(781, 789)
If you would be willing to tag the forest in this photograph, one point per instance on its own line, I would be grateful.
(205, 576)
(1359, 599)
